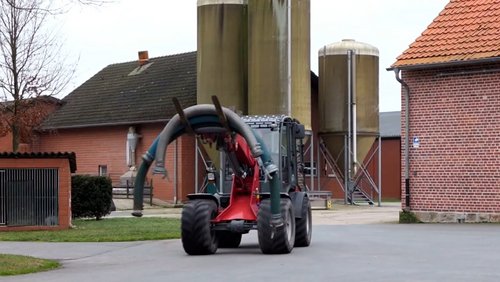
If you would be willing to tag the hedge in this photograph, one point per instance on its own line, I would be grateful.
(91, 196)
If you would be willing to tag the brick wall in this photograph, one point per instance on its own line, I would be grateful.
(456, 116)
(6, 142)
(107, 146)
(180, 180)
(186, 168)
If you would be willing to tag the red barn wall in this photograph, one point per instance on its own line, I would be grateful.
(391, 172)
(391, 168)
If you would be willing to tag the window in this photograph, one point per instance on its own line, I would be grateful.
(103, 170)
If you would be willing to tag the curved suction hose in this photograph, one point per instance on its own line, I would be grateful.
(147, 160)
(200, 116)
(171, 131)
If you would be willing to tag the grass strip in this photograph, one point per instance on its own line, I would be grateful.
(15, 264)
(105, 230)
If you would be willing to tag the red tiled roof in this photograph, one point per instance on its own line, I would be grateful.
(465, 30)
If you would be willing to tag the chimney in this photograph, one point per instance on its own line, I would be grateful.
(143, 58)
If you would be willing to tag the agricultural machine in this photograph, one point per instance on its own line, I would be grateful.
(262, 187)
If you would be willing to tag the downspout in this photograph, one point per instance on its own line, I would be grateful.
(407, 137)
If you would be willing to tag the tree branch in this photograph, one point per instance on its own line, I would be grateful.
(31, 64)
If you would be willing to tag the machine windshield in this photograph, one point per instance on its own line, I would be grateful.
(271, 138)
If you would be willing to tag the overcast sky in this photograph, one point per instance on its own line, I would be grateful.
(113, 33)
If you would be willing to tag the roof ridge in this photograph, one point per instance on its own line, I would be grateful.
(154, 58)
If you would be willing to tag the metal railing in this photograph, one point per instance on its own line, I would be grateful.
(363, 181)
(3, 204)
(29, 197)
(127, 190)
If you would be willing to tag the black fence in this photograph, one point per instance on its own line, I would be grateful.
(29, 197)
(127, 190)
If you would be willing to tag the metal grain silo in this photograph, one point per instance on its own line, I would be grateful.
(222, 53)
(348, 99)
(222, 61)
(279, 62)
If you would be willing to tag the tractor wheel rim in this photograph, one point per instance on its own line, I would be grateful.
(212, 230)
(288, 225)
(308, 226)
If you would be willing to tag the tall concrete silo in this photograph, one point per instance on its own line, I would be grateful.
(279, 62)
(222, 57)
(222, 68)
(348, 100)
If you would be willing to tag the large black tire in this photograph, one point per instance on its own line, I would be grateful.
(228, 239)
(303, 231)
(198, 238)
(281, 242)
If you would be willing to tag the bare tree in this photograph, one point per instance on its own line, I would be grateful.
(31, 64)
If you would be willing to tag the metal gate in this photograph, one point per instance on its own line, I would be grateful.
(29, 197)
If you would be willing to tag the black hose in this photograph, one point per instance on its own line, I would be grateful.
(203, 116)
(234, 121)
(147, 160)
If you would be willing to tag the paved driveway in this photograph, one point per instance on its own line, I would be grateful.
(363, 252)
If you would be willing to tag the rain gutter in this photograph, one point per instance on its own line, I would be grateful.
(445, 64)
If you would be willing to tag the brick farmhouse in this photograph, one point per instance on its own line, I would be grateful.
(97, 116)
(450, 81)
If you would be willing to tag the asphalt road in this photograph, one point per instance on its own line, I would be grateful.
(364, 252)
